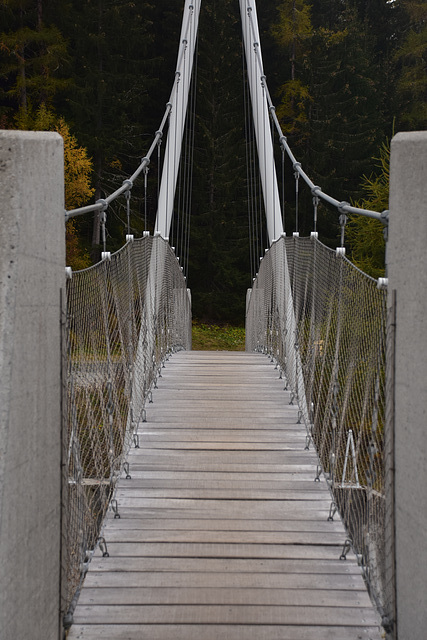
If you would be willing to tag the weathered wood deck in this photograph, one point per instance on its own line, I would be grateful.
(223, 532)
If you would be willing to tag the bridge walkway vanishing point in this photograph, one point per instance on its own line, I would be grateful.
(223, 532)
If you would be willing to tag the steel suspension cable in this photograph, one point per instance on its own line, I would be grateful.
(248, 169)
(102, 204)
(341, 206)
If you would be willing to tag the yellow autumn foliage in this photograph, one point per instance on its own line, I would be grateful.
(77, 174)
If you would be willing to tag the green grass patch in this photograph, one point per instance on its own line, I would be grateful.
(211, 337)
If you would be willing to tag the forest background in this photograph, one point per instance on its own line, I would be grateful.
(344, 75)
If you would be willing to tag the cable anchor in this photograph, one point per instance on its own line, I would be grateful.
(103, 547)
(346, 548)
(115, 508)
(332, 511)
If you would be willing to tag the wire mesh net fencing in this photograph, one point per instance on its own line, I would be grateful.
(125, 316)
(323, 322)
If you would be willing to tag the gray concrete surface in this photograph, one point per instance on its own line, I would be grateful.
(407, 255)
(32, 275)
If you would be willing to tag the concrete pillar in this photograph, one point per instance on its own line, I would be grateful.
(407, 259)
(32, 275)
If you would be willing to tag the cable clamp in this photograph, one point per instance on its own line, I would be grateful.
(68, 273)
(283, 139)
(340, 251)
(106, 256)
(382, 283)
(129, 185)
(296, 234)
(159, 132)
(146, 234)
(342, 207)
(103, 203)
(129, 238)
(385, 216)
(314, 235)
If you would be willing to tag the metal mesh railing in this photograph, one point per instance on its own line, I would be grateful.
(125, 316)
(324, 322)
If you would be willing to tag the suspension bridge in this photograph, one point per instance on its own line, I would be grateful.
(151, 491)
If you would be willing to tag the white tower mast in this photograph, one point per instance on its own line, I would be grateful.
(178, 104)
(261, 119)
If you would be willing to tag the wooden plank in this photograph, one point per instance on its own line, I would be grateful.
(230, 580)
(256, 508)
(206, 566)
(223, 595)
(164, 523)
(219, 494)
(222, 435)
(273, 456)
(217, 550)
(221, 632)
(206, 445)
(227, 537)
(140, 473)
(199, 510)
(160, 463)
(218, 420)
(227, 614)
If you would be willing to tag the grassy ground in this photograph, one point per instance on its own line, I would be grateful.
(210, 337)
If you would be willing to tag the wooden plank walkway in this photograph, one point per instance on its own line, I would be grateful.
(223, 532)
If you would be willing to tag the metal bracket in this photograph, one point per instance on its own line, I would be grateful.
(332, 511)
(346, 548)
(103, 547)
(115, 508)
